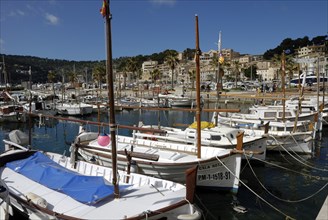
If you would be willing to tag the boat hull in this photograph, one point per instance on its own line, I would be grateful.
(217, 172)
(161, 198)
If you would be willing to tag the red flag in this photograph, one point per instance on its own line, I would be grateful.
(103, 9)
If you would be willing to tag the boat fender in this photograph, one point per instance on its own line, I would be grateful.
(194, 216)
(240, 209)
(37, 200)
(308, 139)
(134, 167)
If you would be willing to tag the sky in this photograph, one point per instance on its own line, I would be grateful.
(75, 30)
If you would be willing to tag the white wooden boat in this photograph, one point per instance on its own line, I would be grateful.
(141, 102)
(74, 109)
(275, 113)
(211, 135)
(48, 186)
(12, 113)
(219, 168)
(173, 100)
(310, 104)
(281, 136)
(40, 108)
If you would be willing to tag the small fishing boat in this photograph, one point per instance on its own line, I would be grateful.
(219, 168)
(212, 136)
(281, 136)
(12, 113)
(74, 109)
(45, 185)
(40, 107)
(173, 100)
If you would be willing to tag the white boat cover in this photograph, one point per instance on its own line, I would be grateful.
(85, 189)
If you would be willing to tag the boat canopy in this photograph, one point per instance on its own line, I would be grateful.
(85, 189)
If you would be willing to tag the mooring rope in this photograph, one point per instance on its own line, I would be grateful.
(272, 206)
(290, 170)
(284, 200)
(312, 167)
(291, 149)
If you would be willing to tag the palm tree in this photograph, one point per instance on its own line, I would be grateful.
(51, 78)
(155, 75)
(72, 77)
(192, 77)
(236, 67)
(132, 66)
(290, 67)
(172, 60)
(98, 74)
(276, 60)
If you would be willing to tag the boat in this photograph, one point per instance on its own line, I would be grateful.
(130, 102)
(173, 100)
(219, 168)
(296, 137)
(74, 109)
(308, 78)
(310, 104)
(12, 113)
(276, 113)
(213, 136)
(39, 107)
(62, 190)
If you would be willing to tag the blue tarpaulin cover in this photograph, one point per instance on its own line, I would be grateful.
(85, 189)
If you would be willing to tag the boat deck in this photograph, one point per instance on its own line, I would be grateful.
(112, 208)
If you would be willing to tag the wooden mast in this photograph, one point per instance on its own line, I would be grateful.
(283, 65)
(218, 81)
(111, 112)
(198, 108)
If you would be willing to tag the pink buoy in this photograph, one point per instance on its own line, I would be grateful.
(103, 139)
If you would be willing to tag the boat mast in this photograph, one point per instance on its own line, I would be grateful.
(218, 80)
(111, 113)
(198, 108)
(283, 64)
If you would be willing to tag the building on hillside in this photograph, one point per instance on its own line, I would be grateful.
(206, 57)
(267, 71)
(311, 51)
(319, 53)
(229, 54)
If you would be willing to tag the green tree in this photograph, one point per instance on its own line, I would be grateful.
(51, 78)
(192, 77)
(172, 60)
(99, 74)
(132, 67)
(155, 74)
(236, 71)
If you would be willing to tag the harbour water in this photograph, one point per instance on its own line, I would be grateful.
(283, 187)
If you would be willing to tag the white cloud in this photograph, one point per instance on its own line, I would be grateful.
(16, 13)
(20, 12)
(52, 19)
(163, 2)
